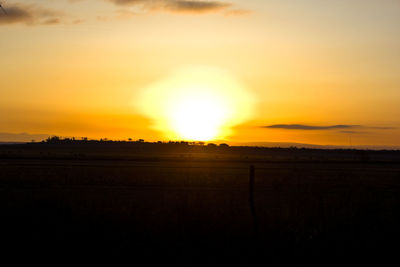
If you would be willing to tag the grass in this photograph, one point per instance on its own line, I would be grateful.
(195, 209)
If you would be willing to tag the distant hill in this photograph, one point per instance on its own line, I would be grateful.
(302, 145)
(21, 137)
(18, 138)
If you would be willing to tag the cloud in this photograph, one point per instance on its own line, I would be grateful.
(345, 127)
(16, 14)
(33, 14)
(309, 127)
(128, 2)
(238, 12)
(29, 15)
(178, 6)
(78, 21)
(196, 6)
(51, 21)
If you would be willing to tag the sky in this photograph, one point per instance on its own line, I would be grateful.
(317, 72)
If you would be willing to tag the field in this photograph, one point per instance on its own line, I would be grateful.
(195, 205)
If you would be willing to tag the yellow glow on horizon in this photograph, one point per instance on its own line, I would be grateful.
(196, 104)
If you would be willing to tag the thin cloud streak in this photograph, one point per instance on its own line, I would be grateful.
(238, 12)
(309, 127)
(196, 6)
(179, 6)
(345, 127)
(29, 15)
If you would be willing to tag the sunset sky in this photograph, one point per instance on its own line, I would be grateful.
(307, 71)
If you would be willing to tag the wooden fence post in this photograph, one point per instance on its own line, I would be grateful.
(251, 199)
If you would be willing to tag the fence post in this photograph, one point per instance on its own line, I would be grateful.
(251, 199)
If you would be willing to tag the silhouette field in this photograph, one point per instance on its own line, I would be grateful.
(196, 204)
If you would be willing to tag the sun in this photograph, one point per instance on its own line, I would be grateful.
(196, 104)
(198, 116)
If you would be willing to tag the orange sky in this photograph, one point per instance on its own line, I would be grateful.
(76, 68)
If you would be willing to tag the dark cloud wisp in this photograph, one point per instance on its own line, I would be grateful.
(309, 127)
(196, 6)
(28, 14)
(177, 6)
(16, 14)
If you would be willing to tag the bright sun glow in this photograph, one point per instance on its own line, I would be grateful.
(198, 104)
(198, 117)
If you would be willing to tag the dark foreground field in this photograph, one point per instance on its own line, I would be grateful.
(191, 205)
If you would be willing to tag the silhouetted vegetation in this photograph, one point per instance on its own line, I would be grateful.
(57, 147)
